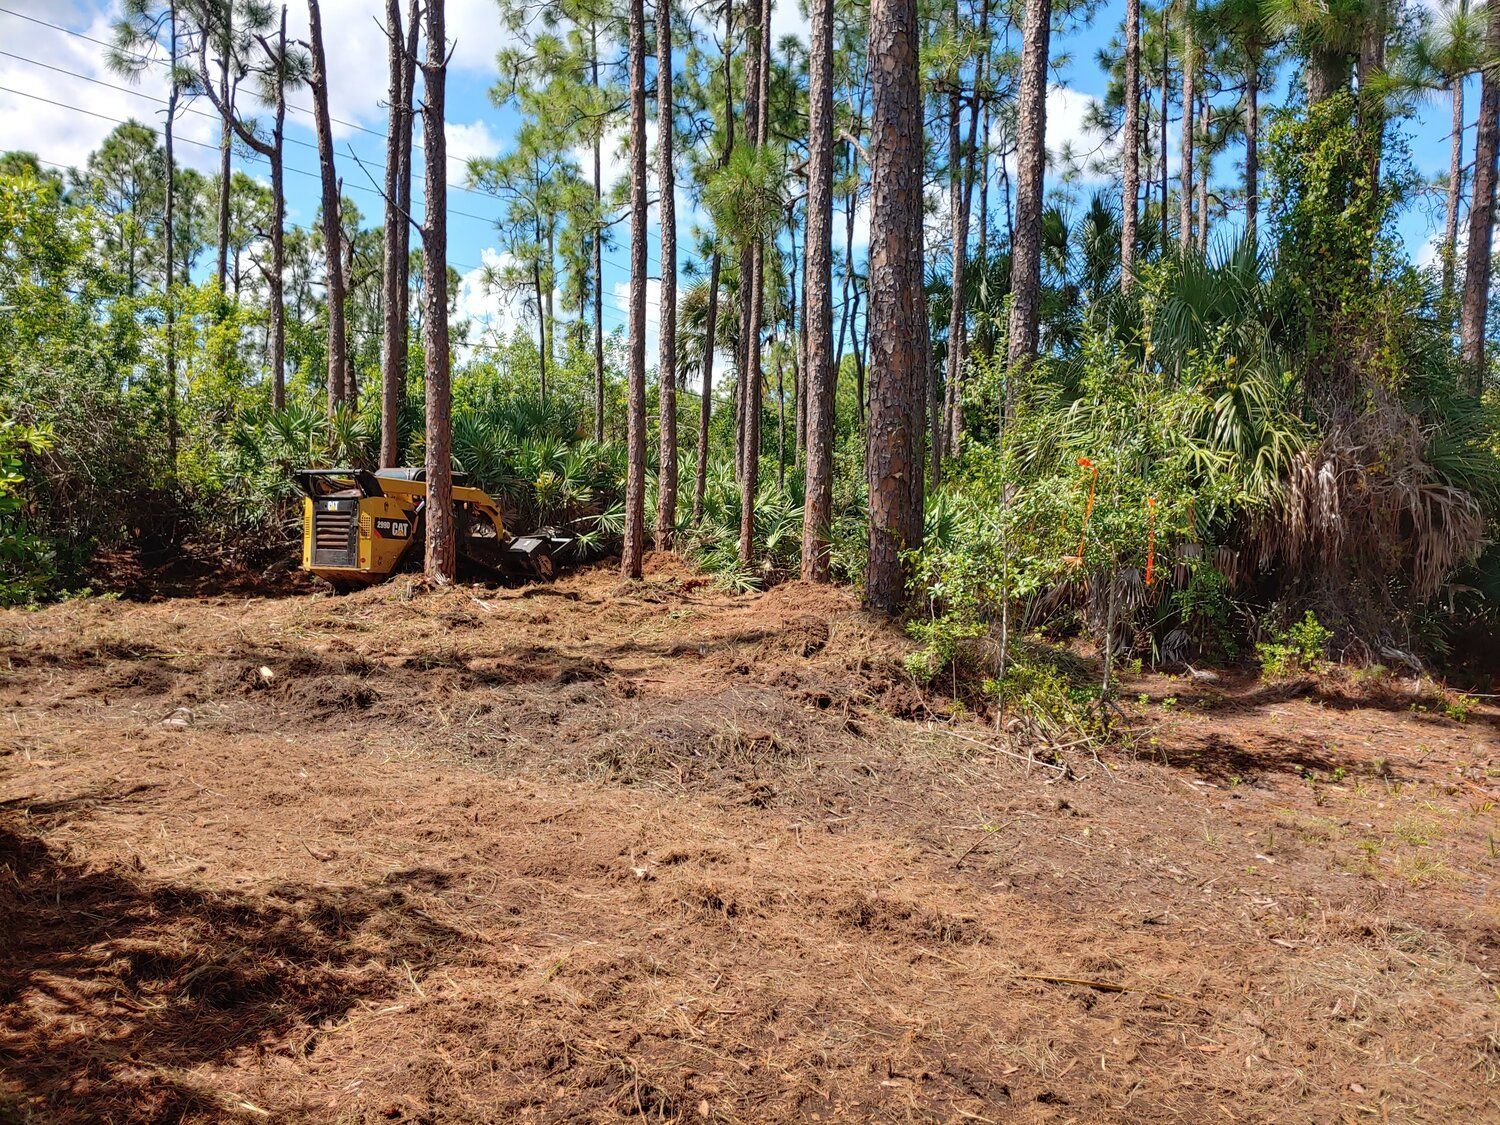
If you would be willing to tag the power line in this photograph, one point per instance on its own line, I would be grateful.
(262, 158)
(290, 106)
(619, 310)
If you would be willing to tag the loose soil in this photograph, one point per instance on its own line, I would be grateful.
(597, 850)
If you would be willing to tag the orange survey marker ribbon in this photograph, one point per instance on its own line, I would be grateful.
(1088, 510)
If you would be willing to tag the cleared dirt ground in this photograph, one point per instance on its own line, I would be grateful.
(596, 850)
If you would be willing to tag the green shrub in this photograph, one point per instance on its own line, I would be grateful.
(1301, 647)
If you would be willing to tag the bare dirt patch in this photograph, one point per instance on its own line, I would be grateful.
(596, 849)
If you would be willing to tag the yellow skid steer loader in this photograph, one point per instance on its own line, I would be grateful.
(359, 527)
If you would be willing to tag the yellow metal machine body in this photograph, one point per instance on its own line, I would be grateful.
(360, 527)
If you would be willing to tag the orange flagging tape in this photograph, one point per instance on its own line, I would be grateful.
(1088, 510)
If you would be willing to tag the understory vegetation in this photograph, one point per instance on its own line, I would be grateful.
(1266, 446)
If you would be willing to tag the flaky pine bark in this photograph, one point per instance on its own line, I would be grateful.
(635, 468)
(666, 363)
(1368, 66)
(1189, 130)
(169, 248)
(226, 151)
(1252, 144)
(753, 385)
(395, 264)
(441, 532)
(1455, 189)
(797, 327)
(705, 409)
(1165, 93)
(1204, 161)
(1031, 158)
(1130, 144)
(748, 353)
(897, 317)
(1326, 72)
(598, 247)
(706, 404)
(333, 263)
(1476, 295)
(817, 280)
(275, 282)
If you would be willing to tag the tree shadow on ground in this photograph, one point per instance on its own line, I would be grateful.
(113, 986)
(1223, 760)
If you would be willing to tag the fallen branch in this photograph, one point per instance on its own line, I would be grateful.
(1107, 986)
(1029, 760)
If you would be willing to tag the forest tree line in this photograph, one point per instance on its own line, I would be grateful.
(1175, 413)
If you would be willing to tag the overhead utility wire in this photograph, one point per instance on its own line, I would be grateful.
(259, 157)
(290, 106)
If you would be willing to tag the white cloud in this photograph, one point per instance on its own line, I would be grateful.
(354, 38)
(621, 295)
(861, 239)
(468, 143)
(614, 155)
(494, 311)
(65, 135)
(355, 44)
(1429, 254)
(1072, 145)
(787, 18)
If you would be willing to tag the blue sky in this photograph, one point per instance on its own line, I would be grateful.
(64, 133)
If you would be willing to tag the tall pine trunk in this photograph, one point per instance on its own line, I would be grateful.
(666, 364)
(635, 472)
(598, 247)
(1031, 158)
(753, 385)
(226, 151)
(897, 317)
(275, 283)
(1252, 143)
(170, 240)
(1189, 131)
(817, 281)
(441, 530)
(706, 404)
(1205, 166)
(332, 231)
(1165, 93)
(1455, 190)
(1130, 144)
(393, 278)
(1471, 319)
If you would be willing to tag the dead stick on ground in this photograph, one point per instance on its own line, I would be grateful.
(1108, 986)
(1001, 750)
(988, 832)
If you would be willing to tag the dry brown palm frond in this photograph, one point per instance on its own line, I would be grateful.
(1365, 505)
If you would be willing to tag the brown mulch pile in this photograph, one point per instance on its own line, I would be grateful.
(600, 849)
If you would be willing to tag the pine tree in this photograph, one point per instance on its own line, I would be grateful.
(819, 376)
(402, 51)
(441, 533)
(897, 317)
(333, 264)
(1130, 144)
(1031, 157)
(635, 468)
(666, 367)
(1478, 275)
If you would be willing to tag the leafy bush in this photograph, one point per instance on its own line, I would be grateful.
(1300, 647)
(26, 561)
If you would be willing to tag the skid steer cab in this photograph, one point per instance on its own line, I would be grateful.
(360, 527)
